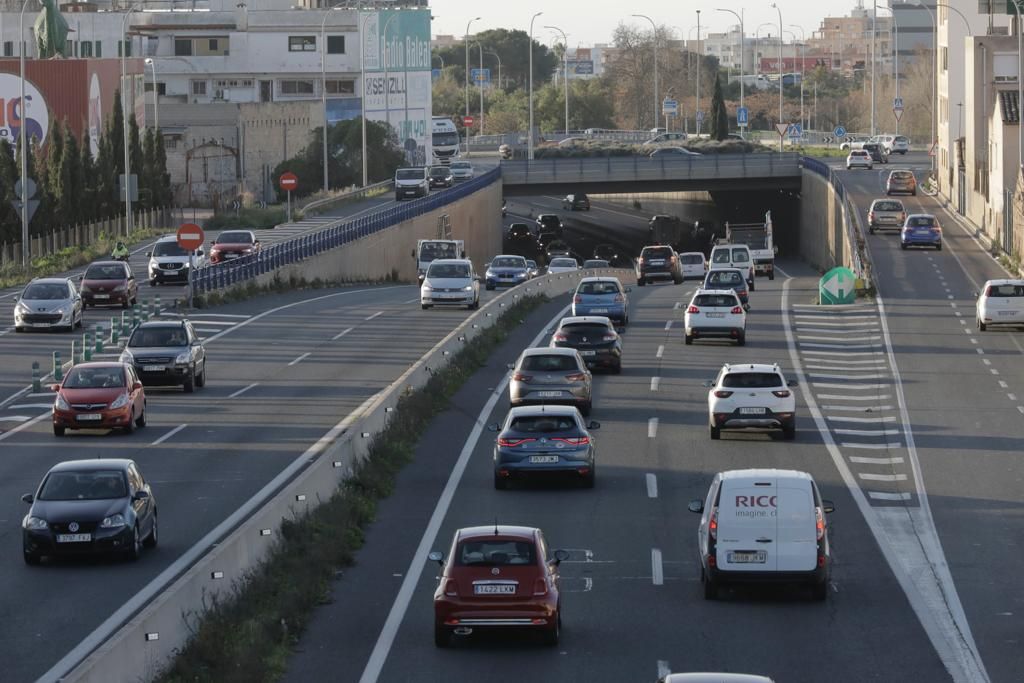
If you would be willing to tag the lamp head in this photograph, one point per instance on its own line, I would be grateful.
(149, 61)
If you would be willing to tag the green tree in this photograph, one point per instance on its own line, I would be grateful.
(114, 135)
(10, 230)
(513, 48)
(43, 220)
(447, 98)
(719, 117)
(75, 201)
(105, 186)
(87, 167)
(135, 154)
(59, 163)
(148, 173)
(165, 195)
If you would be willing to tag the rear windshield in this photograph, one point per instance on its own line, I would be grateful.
(920, 221)
(439, 172)
(740, 255)
(1005, 290)
(752, 380)
(552, 363)
(692, 258)
(725, 300)
(461, 164)
(888, 206)
(595, 263)
(585, 329)
(509, 262)
(563, 263)
(94, 378)
(106, 272)
(235, 237)
(720, 256)
(446, 270)
(724, 277)
(549, 220)
(46, 291)
(543, 424)
(901, 138)
(902, 175)
(92, 485)
(657, 252)
(492, 552)
(598, 288)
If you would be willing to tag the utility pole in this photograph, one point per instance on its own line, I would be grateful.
(698, 74)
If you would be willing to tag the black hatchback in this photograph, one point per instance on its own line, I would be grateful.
(576, 202)
(595, 337)
(86, 507)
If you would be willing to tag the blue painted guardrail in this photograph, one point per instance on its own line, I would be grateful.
(334, 235)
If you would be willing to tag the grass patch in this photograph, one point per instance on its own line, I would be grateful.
(343, 201)
(72, 257)
(251, 218)
(247, 636)
(250, 289)
(820, 152)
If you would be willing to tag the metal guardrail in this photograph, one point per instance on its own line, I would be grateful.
(331, 236)
(638, 168)
(360, 193)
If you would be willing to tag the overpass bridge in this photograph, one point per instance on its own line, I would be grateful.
(675, 173)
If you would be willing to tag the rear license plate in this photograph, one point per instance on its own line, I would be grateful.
(716, 315)
(39, 324)
(74, 538)
(549, 394)
(657, 263)
(543, 458)
(598, 310)
(747, 557)
(230, 256)
(100, 296)
(1007, 312)
(495, 589)
(152, 368)
(588, 353)
(89, 417)
(753, 411)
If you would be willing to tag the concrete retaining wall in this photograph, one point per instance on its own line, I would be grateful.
(823, 237)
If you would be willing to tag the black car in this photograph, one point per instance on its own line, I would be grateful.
(557, 248)
(544, 440)
(594, 337)
(440, 176)
(86, 507)
(549, 222)
(167, 353)
(877, 152)
(606, 252)
(728, 278)
(576, 202)
(546, 237)
(519, 239)
(658, 262)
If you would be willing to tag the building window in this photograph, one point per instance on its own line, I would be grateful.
(335, 45)
(8, 48)
(337, 87)
(161, 88)
(124, 46)
(182, 47)
(944, 56)
(212, 45)
(297, 87)
(301, 43)
(98, 51)
(86, 48)
(199, 88)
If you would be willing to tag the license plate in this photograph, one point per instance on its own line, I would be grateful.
(495, 589)
(89, 417)
(598, 310)
(152, 368)
(74, 538)
(549, 394)
(716, 315)
(1007, 312)
(753, 411)
(543, 458)
(588, 353)
(228, 257)
(747, 557)
(657, 263)
(40, 324)
(100, 296)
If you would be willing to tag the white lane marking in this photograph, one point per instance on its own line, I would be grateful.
(867, 432)
(655, 383)
(822, 323)
(953, 305)
(1012, 397)
(857, 409)
(342, 334)
(867, 476)
(668, 326)
(663, 669)
(820, 345)
(1020, 409)
(219, 315)
(657, 570)
(661, 351)
(875, 461)
(300, 359)
(221, 323)
(878, 495)
(206, 330)
(993, 371)
(652, 427)
(853, 377)
(14, 418)
(844, 354)
(818, 330)
(412, 301)
(981, 352)
(872, 446)
(28, 406)
(375, 315)
(676, 307)
(906, 536)
(835, 363)
(973, 340)
(843, 397)
(812, 337)
(1003, 385)
(168, 435)
(652, 485)
(375, 663)
(851, 387)
(833, 418)
(243, 390)
(986, 361)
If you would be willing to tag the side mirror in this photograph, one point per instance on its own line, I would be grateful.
(149, 254)
(463, 254)
(696, 506)
(560, 556)
(28, 498)
(775, 250)
(512, 366)
(54, 387)
(593, 424)
(792, 383)
(708, 384)
(628, 290)
(140, 495)
(828, 506)
(493, 427)
(136, 386)
(200, 252)
(436, 556)
(413, 253)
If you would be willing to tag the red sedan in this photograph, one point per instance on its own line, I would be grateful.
(109, 283)
(100, 395)
(232, 244)
(498, 578)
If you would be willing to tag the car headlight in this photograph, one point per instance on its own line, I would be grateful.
(119, 402)
(34, 523)
(119, 288)
(467, 288)
(489, 273)
(22, 308)
(126, 357)
(426, 288)
(61, 403)
(113, 521)
(183, 358)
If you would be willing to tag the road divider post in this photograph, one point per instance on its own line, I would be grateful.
(58, 368)
(99, 339)
(157, 308)
(114, 331)
(75, 358)
(87, 347)
(36, 385)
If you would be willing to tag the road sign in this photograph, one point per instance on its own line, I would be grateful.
(828, 139)
(31, 188)
(897, 103)
(236, 205)
(190, 236)
(288, 181)
(837, 287)
(33, 204)
(700, 117)
(480, 76)
(670, 107)
(742, 114)
(795, 131)
(782, 128)
(467, 121)
(839, 132)
(898, 113)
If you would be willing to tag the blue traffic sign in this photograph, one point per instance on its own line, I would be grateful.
(796, 130)
(741, 116)
(700, 117)
(480, 76)
(839, 132)
(670, 107)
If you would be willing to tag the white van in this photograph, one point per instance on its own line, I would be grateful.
(763, 525)
(412, 182)
(733, 256)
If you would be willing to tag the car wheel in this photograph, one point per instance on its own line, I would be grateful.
(688, 339)
(442, 636)
(871, 230)
(134, 551)
(31, 559)
(551, 635)
(488, 286)
(715, 432)
(130, 426)
(640, 282)
(126, 304)
(789, 432)
(753, 286)
(500, 482)
(201, 377)
(19, 329)
(190, 382)
(819, 591)
(424, 306)
(135, 299)
(586, 408)
(914, 193)
(938, 247)
(741, 340)
(903, 246)
(153, 283)
(617, 369)
(981, 328)
(153, 538)
(710, 588)
(771, 274)
(140, 421)
(58, 430)
(677, 280)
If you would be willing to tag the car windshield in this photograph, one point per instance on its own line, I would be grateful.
(519, 231)
(548, 219)
(659, 252)
(595, 263)
(563, 263)
(723, 300)
(461, 165)
(740, 255)
(113, 271)
(888, 206)
(508, 262)
(94, 378)
(920, 221)
(439, 172)
(1005, 290)
(531, 264)
(432, 250)
(543, 424)
(445, 139)
(448, 270)
(91, 485)
(902, 175)
(235, 237)
(409, 174)
(158, 336)
(585, 329)
(692, 259)
(549, 363)
(720, 256)
(492, 552)
(598, 288)
(168, 248)
(724, 277)
(752, 380)
(46, 291)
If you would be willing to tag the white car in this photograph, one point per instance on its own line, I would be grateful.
(859, 158)
(563, 264)
(1001, 302)
(693, 264)
(170, 263)
(734, 256)
(894, 144)
(461, 170)
(49, 302)
(450, 282)
(751, 395)
(715, 313)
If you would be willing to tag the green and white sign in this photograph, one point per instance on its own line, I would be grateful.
(837, 287)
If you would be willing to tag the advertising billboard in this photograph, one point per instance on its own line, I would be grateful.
(35, 114)
(581, 67)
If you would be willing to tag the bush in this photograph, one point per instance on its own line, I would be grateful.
(248, 218)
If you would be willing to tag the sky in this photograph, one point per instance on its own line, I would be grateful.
(585, 26)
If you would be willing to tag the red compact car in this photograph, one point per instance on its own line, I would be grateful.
(232, 244)
(99, 396)
(498, 578)
(109, 283)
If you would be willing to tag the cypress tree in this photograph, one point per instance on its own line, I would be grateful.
(87, 167)
(74, 179)
(114, 135)
(719, 117)
(55, 183)
(105, 179)
(135, 152)
(148, 179)
(10, 222)
(42, 221)
(165, 195)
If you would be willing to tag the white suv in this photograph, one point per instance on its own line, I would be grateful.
(715, 313)
(751, 395)
(1001, 302)
(859, 158)
(894, 144)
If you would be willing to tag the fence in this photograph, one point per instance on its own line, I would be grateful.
(333, 235)
(859, 254)
(83, 235)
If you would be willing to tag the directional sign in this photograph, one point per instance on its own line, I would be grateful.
(837, 287)
(897, 103)
(190, 236)
(670, 107)
(839, 132)
(288, 181)
(782, 128)
(741, 116)
(33, 204)
(480, 76)
(467, 121)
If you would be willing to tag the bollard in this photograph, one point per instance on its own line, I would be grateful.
(37, 387)
(157, 305)
(114, 336)
(87, 347)
(145, 314)
(126, 323)
(75, 358)
(99, 339)
(58, 367)
(149, 308)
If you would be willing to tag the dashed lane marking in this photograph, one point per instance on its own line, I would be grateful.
(668, 325)
(342, 334)
(867, 476)
(879, 495)
(655, 383)
(652, 427)
(375, 315)
(168, 435)
(657, 570)
(300, 359)
(661, 351)
(861, 460)
(652, 485)
(243, 390)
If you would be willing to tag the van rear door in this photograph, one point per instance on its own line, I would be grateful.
(797, 544)
(747, 526)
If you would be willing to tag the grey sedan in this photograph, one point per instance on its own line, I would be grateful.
(546, 375)
(48, 303)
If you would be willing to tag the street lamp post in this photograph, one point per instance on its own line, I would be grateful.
(481, 86)
(565, 60)
(779, 10)
(26, 252)
(387, 79)
(124, 116)
(931, 84)
(497, 57)
(362, 100)
(742, 48)
(803, 61)
(698, 114)
(466, 41)
(323, 83)
(1020, 91)
(874, 58)
(529, 134)
(151, 63)
(654, 37)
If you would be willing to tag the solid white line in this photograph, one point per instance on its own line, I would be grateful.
(867, 432)
(375, 315)
(222, 323)
(860, 419)
(386, 639)
(168, 435)
(652, 427)
(811, 352)
(218, 315)
(875, 461)
(853, 377)
(655, 383)
(872, 446)
(852, 387)
(27, 406)
(342, 334)
(668, 326)
(843, 397)
(300, 359)
(657, 571)
(819, 345)
(661, 351)
(866, 476)
(812, 337)
(652, 485)
(878, 495)
(242, 391)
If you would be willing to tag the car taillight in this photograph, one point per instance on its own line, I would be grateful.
(640, 260)
(520, 377)
(988, 292)
(713, 523)
(692, 309)
(512, 443)
(723, 394)
(819, 522)
(576, 377)
(540, 587)
(561, 336)
(619, 299)
(871, 216)
(736, 310)
(573, 441)
(783, 393)
(610, 337)
(577, 299)
(937, 229)
(451, 588)
(672, 259)
(742, 292)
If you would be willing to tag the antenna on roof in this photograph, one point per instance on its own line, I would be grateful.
(495, 526)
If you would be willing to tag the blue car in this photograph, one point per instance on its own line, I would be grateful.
(604, 296)
(921, 230)
(544, 441)
(506, 271)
